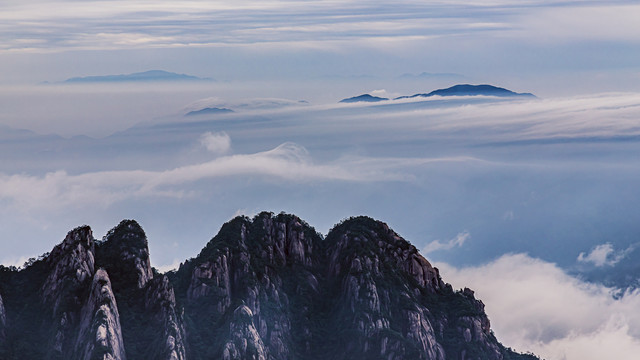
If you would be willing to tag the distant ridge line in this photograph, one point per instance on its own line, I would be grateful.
(145, 76)
(456, 90)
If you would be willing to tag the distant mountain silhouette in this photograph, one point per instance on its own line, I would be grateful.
(363, 98)
(146, 76)
(210, 111)
(470, 90)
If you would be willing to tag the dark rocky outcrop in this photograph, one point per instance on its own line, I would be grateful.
(266, 288)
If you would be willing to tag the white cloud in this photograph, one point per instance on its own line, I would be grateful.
(288, 162)
(535, 306)
(168, 267)
(437, 245)
(604, 255)
(217, 143)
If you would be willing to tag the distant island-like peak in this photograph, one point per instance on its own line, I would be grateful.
(146, 76)
(363, 98)
(471, 90)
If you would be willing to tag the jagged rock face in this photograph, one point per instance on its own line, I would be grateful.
(376, 303)
(267, 288)
(72, 265)
(264, 266)
(151, 323)
(3, 321)
(100, 336)
(64, 291)
(74, 312)
(244, 341)
(275, 289)
(160, 301)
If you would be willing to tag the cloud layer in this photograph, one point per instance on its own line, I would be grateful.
(287, 162)
(134, 24)
(557, 46)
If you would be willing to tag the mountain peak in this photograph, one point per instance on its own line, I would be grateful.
(471, 90)
(363, 98)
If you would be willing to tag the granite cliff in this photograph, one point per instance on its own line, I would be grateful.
(265, 288)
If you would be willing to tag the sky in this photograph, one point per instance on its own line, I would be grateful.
(496, 192)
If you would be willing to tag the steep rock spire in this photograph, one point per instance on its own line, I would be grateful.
(65, 289)
(100, 336)
(160, 303)
(72, 264)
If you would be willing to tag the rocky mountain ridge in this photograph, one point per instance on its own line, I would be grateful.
(270, 287)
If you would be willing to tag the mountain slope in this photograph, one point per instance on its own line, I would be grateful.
(270, 287)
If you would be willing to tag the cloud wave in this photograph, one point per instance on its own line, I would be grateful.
(288, 162)
(438, 245)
